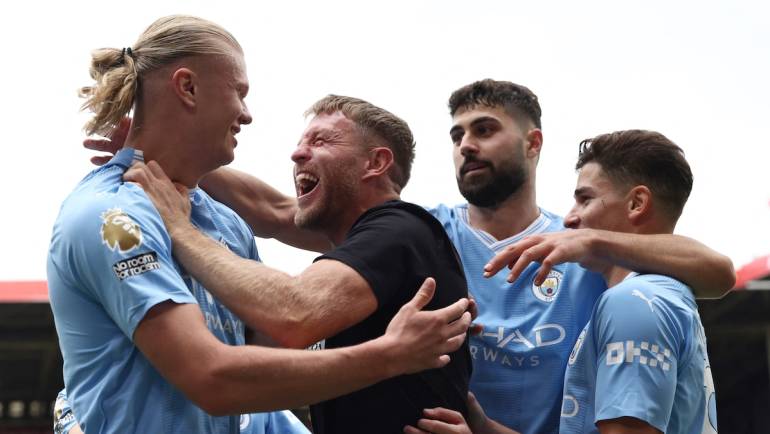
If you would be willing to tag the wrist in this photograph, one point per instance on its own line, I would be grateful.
(180, 230)
(385, 356)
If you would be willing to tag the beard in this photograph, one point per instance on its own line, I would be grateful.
(498, 184)
(326, 211)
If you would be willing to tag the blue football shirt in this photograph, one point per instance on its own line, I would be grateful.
(520, 357)
(642, 355)
(109, 263)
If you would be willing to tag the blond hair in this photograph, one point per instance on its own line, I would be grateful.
(118, 72)
(378, 122)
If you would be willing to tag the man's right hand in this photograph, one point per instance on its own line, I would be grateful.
(421, 340)
(111, 145)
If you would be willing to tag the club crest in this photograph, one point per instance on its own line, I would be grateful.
(119, 232)
(550, 288)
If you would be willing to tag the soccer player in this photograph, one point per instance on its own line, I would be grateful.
(640, 365)
(147, 349)
(350, 165)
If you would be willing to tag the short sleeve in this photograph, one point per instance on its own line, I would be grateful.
(638, 342)
(63, 418)
(381, 247)
(120, 254)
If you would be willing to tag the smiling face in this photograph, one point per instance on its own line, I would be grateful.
(328, 165)
(223, 88)
(599, 203)
(489, 156)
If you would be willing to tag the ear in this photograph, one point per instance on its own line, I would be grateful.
(379, 162)
(185, 84)
(639, 203)
(534, 143)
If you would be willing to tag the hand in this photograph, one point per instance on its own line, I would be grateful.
(170, 199)
(111, 145)
(575, 245)
(473, 308)
(440, 421)
(419, 339)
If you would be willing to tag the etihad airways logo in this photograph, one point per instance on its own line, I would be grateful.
(511, 347)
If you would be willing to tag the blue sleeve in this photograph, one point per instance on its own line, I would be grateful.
(120, 254)
(284, 422)
(63, 418)
(638, 342)
(277, 422)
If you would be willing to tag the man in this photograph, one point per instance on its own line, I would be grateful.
(532, 317)
(640, 365)
(146, 347)
(350, 165)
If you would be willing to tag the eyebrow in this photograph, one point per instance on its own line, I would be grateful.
(582, 191)
(475, 122)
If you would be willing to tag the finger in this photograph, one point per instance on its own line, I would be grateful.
(444, 414)
(157, 171)
(101, 145)
(505, 257)
(412, 430)
(137, 173)
(453, 311)
(459, 326)
(473, 307)
(436, 426)
(119, 134)
(528, 256)
(424, 295)
(453, 344)
(476, 329)
(182, 189)
(100, 160)
(543, 271)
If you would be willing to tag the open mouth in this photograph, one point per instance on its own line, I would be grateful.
(305, 183)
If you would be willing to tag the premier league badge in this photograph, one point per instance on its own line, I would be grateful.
(550, 288)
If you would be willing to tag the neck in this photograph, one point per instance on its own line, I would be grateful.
(615, 275)
(508, 218)
(170, 151)
(338, 233)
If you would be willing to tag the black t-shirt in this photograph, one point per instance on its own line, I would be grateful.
(395, 246)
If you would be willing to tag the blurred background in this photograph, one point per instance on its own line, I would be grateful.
(694, 70)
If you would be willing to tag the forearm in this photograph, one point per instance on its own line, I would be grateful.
(269, 212)
(264, 298)
(256, 379)
(708, 273)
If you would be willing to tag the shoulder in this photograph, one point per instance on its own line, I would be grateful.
(446, 214)
(396, 217)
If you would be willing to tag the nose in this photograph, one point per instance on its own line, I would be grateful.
(245, 115)
(572, 220)
(301, 153)
(468, 146)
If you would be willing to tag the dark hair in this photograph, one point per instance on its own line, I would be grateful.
(373, 120)
(640, 157)
(518, 101)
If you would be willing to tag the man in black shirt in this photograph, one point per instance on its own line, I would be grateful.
(350, 166)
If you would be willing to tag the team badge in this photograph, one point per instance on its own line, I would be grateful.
(119, 232)
(550, 288)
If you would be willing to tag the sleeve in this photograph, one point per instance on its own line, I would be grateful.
(63, 418)
(381, 247)
(638, 341)
(285, 422)
(121, 256)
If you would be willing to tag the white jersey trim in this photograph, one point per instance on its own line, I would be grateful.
(539, 225)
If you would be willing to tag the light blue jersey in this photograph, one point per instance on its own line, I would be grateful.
(277, 422)
(109, 263)
(519, 359)
(643, 355)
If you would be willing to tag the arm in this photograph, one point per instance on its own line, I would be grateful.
(326, 298)
(269, 212)
(625, 425)
(708, 273)
(229, 380)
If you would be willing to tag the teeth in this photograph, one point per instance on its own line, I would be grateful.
(301, 177)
